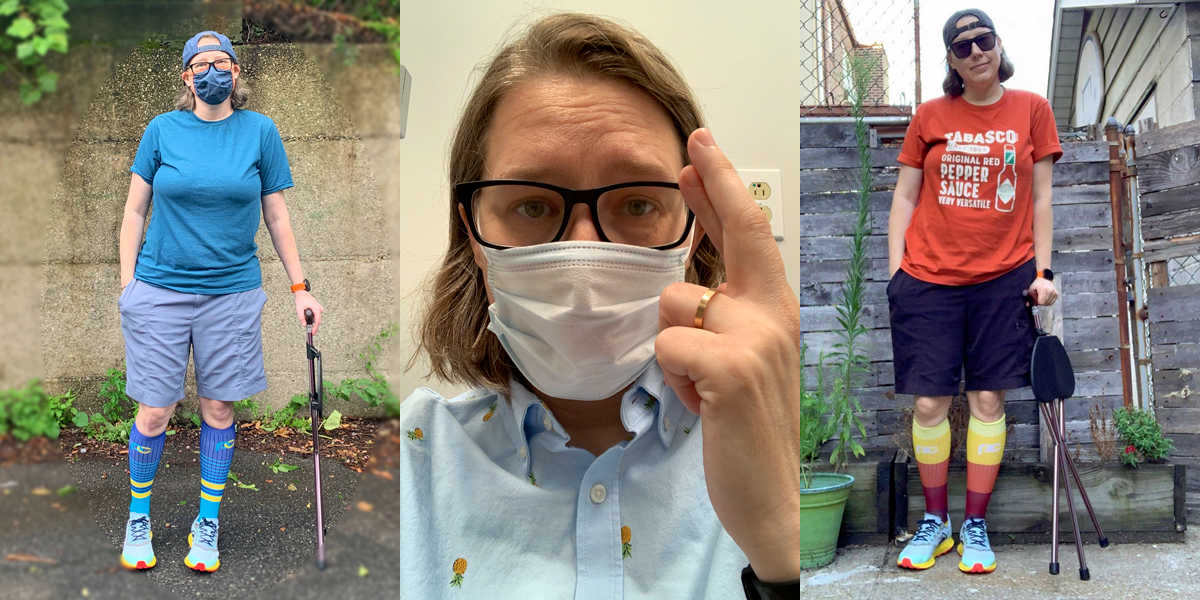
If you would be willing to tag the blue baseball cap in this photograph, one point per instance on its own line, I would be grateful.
(193, 47)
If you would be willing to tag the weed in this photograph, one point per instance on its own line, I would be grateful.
(1104, 435)
(1142, 435)
(28, 412)
(281, 467)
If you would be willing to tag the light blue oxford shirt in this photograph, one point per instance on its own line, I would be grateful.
(494, 504)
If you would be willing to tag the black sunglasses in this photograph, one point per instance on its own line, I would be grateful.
(962, 49)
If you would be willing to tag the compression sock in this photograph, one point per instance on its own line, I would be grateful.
(985, 448)
(932, 447)
(144, 454)
(216, 452)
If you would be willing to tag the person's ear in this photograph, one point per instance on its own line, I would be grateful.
(476, 247)
(697, 239)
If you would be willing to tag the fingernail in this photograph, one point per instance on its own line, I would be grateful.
(705, 137)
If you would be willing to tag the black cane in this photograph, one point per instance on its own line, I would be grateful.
(316, 398)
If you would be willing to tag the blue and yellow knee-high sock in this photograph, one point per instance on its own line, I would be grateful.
(216, 452)
(144, 454)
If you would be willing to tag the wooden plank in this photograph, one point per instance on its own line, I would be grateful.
(1095, 360)
(1174, 303)
(824, 318)
(845, 180)
(1166, 139)
(1173, 200)
(1176, 356)
(900, 494)
(1120, 38)
(862, 512)
(1173, 388)
(1186, 444)
(1089, 305)
(838, 248)
(1093, 238)
(1124, 499)
(1095, 282)
(1171, 225)
(1079, 409)
(1082, 152)
(1159, 278)
(1178, 420)
(827, 135)
(1170, 169)
(1160, 251)
(1175, 332)
(847, 158)
(834, 271)
(1080, 194)
(1086, 261)
(1080, 173)
(1084, 215)
(876, 344)
(842, 202)
(833, 224)
(1091, 334)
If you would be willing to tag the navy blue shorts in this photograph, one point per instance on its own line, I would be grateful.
(940, 332)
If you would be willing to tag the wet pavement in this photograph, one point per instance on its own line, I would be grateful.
(67, 546)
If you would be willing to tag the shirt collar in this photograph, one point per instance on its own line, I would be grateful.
(648, 397)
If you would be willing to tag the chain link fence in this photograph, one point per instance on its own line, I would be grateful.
(1184, 271)
(845, 36)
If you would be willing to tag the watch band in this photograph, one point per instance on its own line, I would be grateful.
(757, 590)
(300, 286)
(1046, 274)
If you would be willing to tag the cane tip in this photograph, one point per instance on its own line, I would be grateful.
(1103, 542)
(321, 565)
(1054, 568)
(1084, 575)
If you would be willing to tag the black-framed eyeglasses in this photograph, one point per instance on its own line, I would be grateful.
(962, 48)
(222, 64)
(505, 213)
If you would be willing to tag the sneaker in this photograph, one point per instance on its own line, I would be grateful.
(976, 551)
(933, 539)
(138, 553)
(203, 542)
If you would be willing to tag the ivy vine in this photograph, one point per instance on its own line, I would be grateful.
(32, 28)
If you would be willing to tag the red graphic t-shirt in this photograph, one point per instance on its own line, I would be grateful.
(974, 215)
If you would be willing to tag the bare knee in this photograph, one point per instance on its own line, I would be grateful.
(986, 406)
(931, 410)
(152, 420)
(216, 413)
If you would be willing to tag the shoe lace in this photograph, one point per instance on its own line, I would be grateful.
(139, 529)
(926, 530)
(976, 532)
(207, 532)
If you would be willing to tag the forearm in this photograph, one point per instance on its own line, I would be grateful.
(132, 226)
(1043, 232)
(285, 246)
(898, 220)
(778, 559)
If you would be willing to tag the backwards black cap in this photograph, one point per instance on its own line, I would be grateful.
(951, 30)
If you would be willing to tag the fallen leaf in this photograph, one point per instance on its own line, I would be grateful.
(309, 505)
(58, 506)
(283, 528)
(268, 481)
(364, 506)
(42, 491)
(383, 474)
(291, 487)
(67, 490)
(30, 558)
(362, 571)
(85, 592)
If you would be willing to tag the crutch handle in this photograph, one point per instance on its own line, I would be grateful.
(309, 316)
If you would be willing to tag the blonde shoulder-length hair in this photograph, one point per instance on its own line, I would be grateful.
(452, 330)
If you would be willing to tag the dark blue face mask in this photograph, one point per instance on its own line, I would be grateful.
(214, 85)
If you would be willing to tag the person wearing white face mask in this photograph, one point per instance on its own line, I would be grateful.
(634, 432)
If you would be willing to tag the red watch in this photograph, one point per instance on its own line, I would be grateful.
(301, 286)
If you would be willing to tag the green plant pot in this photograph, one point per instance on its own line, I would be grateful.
(821, 508)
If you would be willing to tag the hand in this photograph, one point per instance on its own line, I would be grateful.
(740, 373)
(1043, 292)
(305, 300)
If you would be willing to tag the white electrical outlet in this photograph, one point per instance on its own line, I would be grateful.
(766, 190)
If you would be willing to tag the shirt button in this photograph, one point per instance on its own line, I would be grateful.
(521, 452)
(666, 422)
(598, 493)
(546, 421)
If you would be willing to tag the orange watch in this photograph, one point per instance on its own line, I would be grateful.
(301, 286)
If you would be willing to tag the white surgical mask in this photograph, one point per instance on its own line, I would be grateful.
(579, 318)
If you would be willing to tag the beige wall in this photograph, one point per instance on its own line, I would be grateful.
(743, 59)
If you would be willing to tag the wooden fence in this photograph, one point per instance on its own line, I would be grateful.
(1168, 180)
(1082, 261)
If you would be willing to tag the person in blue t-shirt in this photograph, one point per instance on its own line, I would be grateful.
(208, 169)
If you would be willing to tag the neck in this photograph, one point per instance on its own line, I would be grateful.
(594, 425)
(983, 95)
(210, 112)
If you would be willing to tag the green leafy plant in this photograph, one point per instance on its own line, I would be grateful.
(1142, 436)
(281, 467)
(118, 406)
(814, 427)
(31, 29)
(25, 413)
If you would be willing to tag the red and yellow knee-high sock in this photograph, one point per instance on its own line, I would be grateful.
(932, 447)
(985, 448)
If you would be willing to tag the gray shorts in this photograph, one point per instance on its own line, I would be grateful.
(224, 334)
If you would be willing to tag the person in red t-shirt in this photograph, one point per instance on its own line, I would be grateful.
(970, 233)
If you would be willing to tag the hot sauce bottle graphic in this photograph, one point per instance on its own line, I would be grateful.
(1006, 185)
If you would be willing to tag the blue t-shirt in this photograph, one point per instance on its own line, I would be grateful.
(208, 179)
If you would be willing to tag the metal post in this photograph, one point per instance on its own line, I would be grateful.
(1116, 167)
(917, 34)
(1141, 283)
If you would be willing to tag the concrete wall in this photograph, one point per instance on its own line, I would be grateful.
(743, 60)
(65, 170)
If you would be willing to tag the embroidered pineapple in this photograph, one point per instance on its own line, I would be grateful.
(687, 431)
(460, 567)
(491, 411)
(626, 547)
(533, 479)
(416, 434)
(651, 402)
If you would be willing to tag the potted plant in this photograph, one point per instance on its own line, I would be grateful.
(822, 495)
(1142, 437)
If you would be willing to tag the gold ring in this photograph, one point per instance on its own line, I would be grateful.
(703, 307)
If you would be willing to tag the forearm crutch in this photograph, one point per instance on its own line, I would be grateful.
(1053, 380)
(316, 400)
